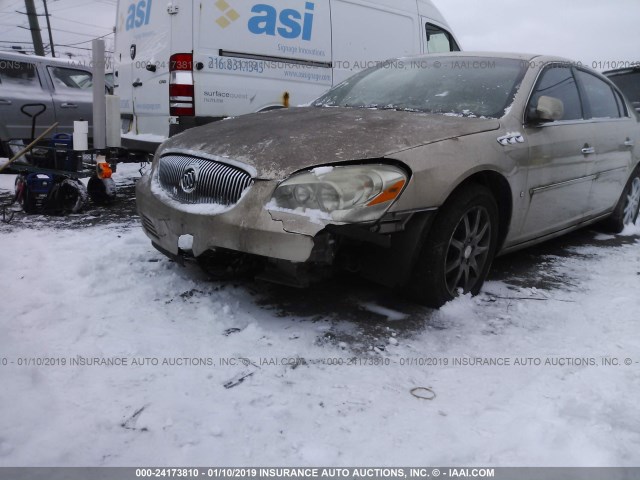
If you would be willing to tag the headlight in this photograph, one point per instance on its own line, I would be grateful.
(343, 194)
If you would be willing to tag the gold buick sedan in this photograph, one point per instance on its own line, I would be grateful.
(415, 173)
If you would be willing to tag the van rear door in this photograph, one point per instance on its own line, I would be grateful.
(149, 32)
(253, 56)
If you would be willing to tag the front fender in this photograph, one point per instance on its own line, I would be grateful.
(440, 168)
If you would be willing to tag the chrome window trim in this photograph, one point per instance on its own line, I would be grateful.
(560, 123)
(535, 84)
(584, 120)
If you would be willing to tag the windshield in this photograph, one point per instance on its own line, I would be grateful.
(460, 86)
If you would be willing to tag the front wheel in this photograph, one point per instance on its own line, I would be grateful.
(460, 246)
(626, 212)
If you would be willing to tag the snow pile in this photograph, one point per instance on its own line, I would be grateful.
(242, 380)
(631, 230)
(144, 137)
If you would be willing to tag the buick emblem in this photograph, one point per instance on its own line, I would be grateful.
(189, 181)
(132, 51)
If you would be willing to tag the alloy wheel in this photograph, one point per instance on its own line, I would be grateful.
(468, 251)
(633, 202)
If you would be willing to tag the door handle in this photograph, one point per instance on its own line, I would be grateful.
(588, 150)
(4, 101)
(629, 143)
(68, 105)
(137, 83)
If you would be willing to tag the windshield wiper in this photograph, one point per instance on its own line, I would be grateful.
(375, 106)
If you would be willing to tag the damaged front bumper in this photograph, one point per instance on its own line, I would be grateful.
(294, 245)
(245, 227)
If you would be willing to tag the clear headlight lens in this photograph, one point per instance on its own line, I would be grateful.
(344, 194)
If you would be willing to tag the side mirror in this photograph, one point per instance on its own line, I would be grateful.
(549, 109)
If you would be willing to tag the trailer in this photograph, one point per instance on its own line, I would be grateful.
(49, 172)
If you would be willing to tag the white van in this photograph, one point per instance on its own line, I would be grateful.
(191, 62)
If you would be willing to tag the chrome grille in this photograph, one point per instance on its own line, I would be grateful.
(198, 180)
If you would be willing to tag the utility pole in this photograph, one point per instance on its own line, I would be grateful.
(99, 100)
(46, 13)
(34, 26)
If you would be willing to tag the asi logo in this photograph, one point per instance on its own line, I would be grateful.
(229, 15)
(138, 14)
(288, 23)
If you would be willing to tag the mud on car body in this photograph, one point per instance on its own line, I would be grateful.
(416, 174)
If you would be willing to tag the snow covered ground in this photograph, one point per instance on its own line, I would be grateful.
(92, 287)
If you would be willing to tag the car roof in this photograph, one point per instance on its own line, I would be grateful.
(484, 54)
(622, 71)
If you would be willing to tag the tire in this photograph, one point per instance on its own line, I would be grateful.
(458, 250)
(628, 207)
(68, 196)
(102, 191)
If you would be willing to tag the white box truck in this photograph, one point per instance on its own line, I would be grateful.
(190, 62)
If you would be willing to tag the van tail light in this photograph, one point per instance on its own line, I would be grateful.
(181, 89)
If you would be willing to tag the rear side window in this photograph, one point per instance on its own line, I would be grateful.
(18, 74)
(439, 40)
(602, 101)
(70, 78)
(558, 81)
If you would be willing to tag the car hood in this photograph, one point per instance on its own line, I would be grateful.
(281, 142)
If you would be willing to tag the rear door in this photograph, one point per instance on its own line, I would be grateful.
(72, 95)
(148, 32)
(253, 56)
(615, 133)
(24, 92)
(124, 57)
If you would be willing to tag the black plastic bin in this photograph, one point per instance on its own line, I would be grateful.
(65, 157)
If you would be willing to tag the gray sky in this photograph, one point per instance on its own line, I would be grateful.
(585, 30)
(74, 23)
